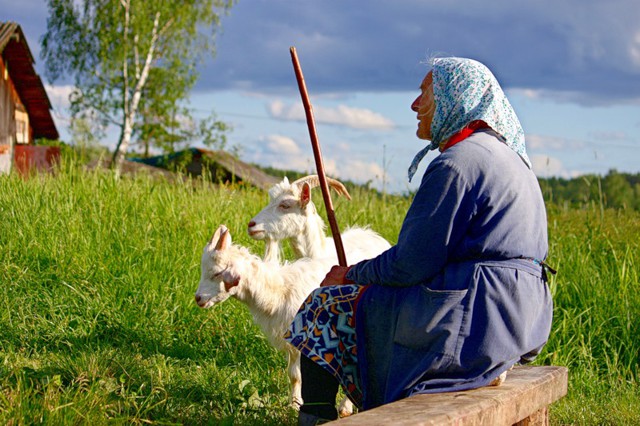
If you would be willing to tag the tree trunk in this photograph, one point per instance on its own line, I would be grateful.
(123, 146)
(132, 108)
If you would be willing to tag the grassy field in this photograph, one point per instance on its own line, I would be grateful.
(98, 323)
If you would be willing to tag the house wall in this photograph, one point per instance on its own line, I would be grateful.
(7, 105)
(6, 121)
(5, 159)
(30, 159)
(14, 120)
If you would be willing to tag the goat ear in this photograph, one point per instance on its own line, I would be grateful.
(225, 239)
(217, 237)
(305, 195)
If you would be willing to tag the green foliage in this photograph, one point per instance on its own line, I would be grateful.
(135, 60)
(99, 323)
(173, 128)
(615, 190)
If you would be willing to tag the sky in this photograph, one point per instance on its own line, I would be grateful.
(570, 68)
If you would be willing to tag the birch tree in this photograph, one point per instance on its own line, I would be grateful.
(131, 61)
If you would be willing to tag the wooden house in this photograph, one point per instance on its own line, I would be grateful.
(25, 109)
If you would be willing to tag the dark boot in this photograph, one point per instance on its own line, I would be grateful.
(306, 419)
(319, 390)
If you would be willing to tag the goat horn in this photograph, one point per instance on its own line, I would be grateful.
(314, 181)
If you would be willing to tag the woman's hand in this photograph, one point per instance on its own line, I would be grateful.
(336, 276)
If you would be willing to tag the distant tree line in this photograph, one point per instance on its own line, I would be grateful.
(615, 190)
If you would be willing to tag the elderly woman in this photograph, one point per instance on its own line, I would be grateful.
(462, 296)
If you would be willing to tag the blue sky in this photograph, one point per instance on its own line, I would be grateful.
(571, 69)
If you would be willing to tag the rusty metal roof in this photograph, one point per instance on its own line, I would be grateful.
(17, 55)
(245, 171)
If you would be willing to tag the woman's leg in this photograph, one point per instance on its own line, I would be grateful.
(319, 390)
(324, 333)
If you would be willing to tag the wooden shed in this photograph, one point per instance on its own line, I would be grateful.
(25, 109)
(222, 167)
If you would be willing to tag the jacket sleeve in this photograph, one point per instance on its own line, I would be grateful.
(434, 226)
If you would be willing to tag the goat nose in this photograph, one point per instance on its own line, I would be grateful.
(252, 224)
(198, 298)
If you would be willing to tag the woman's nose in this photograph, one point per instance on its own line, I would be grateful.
(415, 106)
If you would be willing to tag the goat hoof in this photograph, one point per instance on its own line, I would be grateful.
(344, 413)
(296, 404)
(499, 380)
(345, 408)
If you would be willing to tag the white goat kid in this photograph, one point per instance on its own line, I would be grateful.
(292, 215)
(273, 293)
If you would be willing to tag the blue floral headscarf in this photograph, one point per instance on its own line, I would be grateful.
(464, 91)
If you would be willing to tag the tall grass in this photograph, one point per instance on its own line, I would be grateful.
(597, 314)
(98, 323)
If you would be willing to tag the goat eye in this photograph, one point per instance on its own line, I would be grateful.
(219, 273)
(285, 206)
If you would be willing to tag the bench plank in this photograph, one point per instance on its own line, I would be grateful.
(523, 397)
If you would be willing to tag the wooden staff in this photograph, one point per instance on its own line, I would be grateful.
(308, 109)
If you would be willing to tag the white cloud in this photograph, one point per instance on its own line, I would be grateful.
(342, 164)
(59, 95)
(358, 171)
(610, 136)
(355, 170)
(579, 97)
(545, 142)
(634, 50)
(278, 144)
(284, 153)
(280, 152)
(525, 93)
(356, 118)
(300, 164)
(546, 166)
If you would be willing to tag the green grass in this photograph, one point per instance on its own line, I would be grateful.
(98, 323)
(597, 314)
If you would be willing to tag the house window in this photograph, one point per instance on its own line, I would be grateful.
(22, 126)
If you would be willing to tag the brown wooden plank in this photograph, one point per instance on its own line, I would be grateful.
(527, 390)
(539, 418)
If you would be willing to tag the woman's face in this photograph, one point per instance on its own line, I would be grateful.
(425, 106)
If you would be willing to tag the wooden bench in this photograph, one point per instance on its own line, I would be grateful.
(523, 400)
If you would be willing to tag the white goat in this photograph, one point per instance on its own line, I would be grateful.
(292, 215)
(273, 293)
